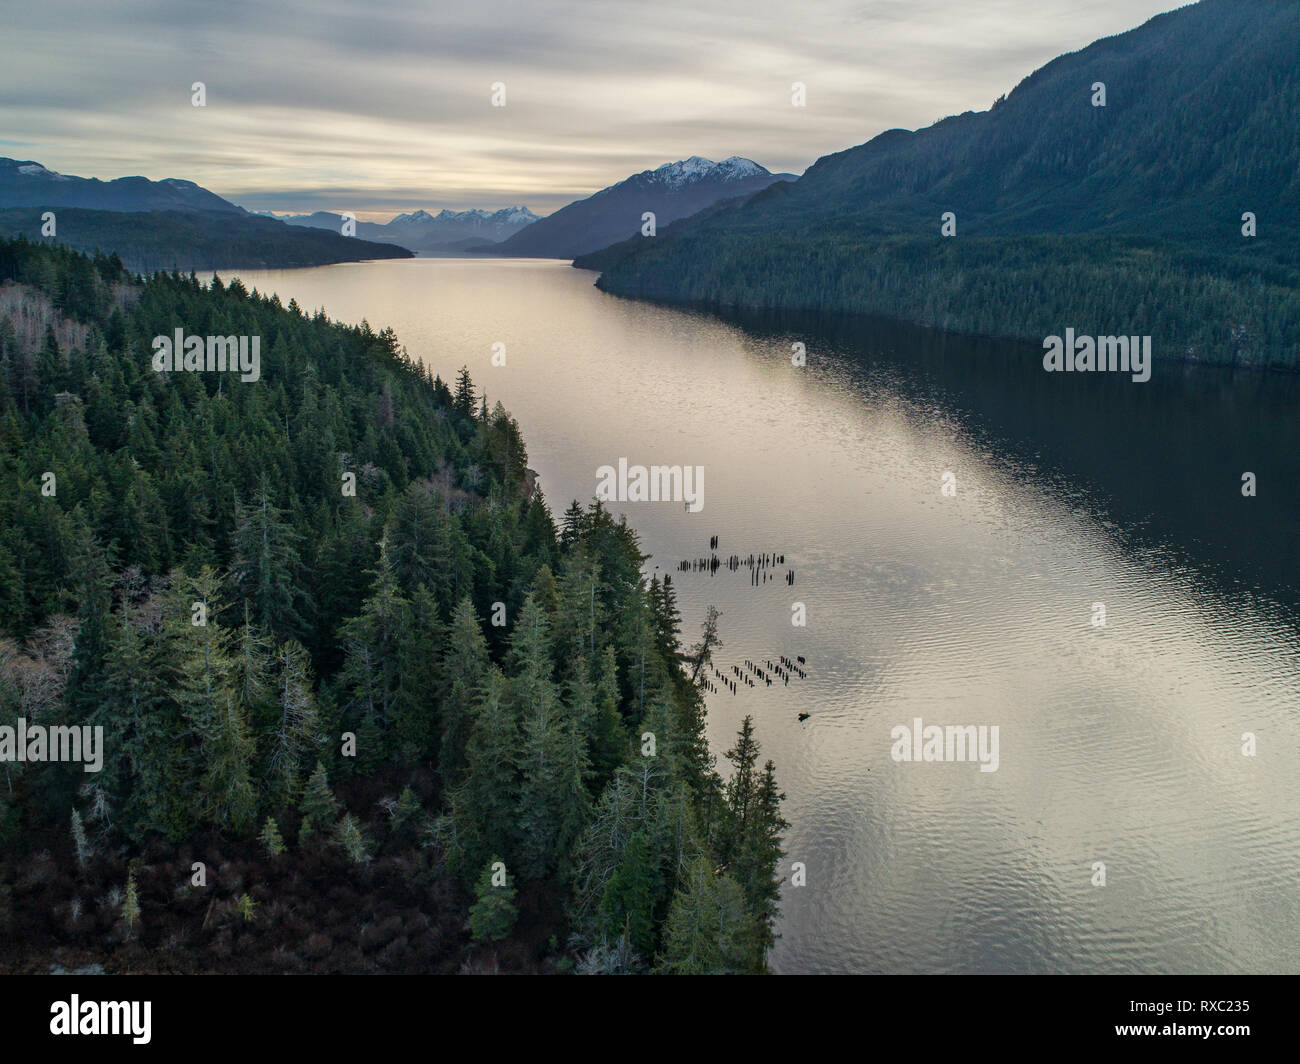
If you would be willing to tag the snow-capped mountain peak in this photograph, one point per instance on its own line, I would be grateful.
(518, 214)
(424, 230)
(737, 167)
(506, 215)
(698, 168)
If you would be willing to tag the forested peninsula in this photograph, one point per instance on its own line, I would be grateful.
(365, 706)
(172, 240)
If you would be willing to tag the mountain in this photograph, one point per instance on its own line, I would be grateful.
(146, 241)
(422, 229)
(29, 184)
(1122, 218)
(445, 232)
(165, 225)
(673, 191)
(328, 220)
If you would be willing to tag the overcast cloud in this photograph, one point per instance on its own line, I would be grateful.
(384, 105)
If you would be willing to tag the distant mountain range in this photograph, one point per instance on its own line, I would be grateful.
(1126, 217)
(190, 227)
(447, 232)
(164, 225)
(24, 183)
(673, 191)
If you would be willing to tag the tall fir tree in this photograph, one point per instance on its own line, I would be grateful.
(709, 930)
(492, 916)
(754, 865)
(229, 798)
(595, 710)
(571, 527)
(319, 807)
(416, 719)
(463, 401)
(267, 570)
(464, 669)
(371, 673)
(742, 788)
(297, 737)
(629, 898)
(484, 804)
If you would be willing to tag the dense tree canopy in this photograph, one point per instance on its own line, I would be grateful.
(271, 593)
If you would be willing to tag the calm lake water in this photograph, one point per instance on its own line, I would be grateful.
(1120, 744)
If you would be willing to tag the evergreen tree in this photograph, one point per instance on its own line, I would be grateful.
(131, 904)
(87, 681)
(416, 723)
(319, 807)
(296, 736)
(553, 798)
(267, 568)
(343, 572)
(709, 929)
(463, 403)
(484, 803)
(464, 666)
(634, 801)
(529, 659)
(407, 812)
(418, 540)
(544, 591)
(595, 709)
(270, 838)
(628, 901)
(645, 667)
(217, 721)
(572, 526)
(580, 618)
(371, 674)
(142, 717)
(250, 677)
(754, 865)
(667, 621)
(701, 654)
(493, 914)
(230, 799)
(352, 840)
(81, 845)
(741, 791)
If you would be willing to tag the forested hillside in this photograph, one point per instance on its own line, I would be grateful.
(147, 241)
(409, 727)
(1127, 217)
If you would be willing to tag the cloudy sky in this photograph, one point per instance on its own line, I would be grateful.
(378, 106)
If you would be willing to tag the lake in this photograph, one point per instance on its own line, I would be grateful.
(1119, 743)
